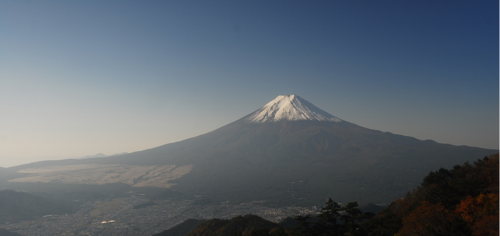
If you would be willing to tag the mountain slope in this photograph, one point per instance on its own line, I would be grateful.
(16, 206)
(234, 226)
(182, 228)
(459, 201)
(273, 155)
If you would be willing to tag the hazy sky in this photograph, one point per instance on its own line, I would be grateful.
(83, 77)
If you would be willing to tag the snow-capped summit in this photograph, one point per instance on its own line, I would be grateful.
(289, 107)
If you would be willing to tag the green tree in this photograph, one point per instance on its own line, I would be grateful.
(386, 223)
(304, 226)
(328, 223)
(278, 231)
(333, 220)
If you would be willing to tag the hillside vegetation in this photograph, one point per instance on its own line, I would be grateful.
(459, 201)
(182, 228)
(462, 200)
(240, 225)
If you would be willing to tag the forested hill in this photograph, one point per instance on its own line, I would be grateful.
(460, 201)
(182, 228)
(235, 226)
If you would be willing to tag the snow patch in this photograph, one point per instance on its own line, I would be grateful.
(289, 107)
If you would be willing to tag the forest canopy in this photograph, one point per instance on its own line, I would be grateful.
(458, 201)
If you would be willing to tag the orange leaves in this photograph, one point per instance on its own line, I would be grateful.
(403, 206)
(471, 209)
(486, 226)
(481, 213)
(427, 219)
(466, 209)
(460, 201)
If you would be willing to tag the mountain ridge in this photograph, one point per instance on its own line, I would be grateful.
(294, 162)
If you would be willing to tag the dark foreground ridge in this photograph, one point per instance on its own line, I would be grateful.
(458, 201)
(182, 228)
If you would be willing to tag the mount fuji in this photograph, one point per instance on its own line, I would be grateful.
(287, 152)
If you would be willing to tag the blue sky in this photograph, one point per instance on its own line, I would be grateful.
(82, 77)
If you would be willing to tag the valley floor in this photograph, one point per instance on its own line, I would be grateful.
(118, 217)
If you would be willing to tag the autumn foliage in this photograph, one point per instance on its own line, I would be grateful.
(460, 201)
(481, 213)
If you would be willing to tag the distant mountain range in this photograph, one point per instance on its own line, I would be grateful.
(102, 155)
(287, 152)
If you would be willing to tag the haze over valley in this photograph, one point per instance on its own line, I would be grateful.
(233, 118)
(280, 160)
